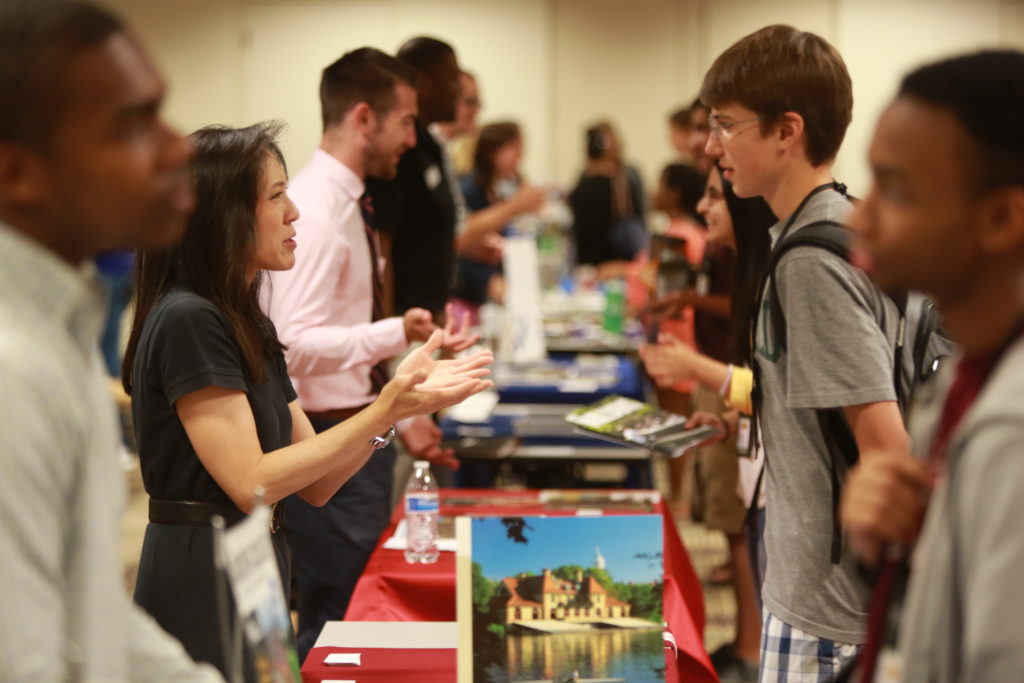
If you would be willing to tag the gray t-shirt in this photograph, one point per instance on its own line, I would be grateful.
(840, 336)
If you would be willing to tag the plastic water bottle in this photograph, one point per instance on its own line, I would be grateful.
(422, 504)
(614, 306)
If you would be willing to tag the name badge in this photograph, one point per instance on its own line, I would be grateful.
(743, 435)
(432, 177)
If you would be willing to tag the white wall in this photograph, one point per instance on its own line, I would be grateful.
(881, 40)
(613, 61)
(553, 65)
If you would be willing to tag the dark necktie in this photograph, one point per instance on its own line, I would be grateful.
(379, 372)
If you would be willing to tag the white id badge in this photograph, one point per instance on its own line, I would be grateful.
(890, 666)
(743, 435)
(703, 284)
(432, 176)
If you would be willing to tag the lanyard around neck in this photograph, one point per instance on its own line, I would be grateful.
(838, 187)
(759, 297)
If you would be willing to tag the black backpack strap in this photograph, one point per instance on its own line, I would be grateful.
(767, 276)
(931, 342)
(828, 235)
(929, 322)
(833, 237)
(900, 298)
(842, 447)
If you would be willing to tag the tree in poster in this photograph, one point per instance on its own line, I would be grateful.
(488, 633)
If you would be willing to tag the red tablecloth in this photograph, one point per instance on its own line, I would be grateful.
(379, 665)
(392, 590)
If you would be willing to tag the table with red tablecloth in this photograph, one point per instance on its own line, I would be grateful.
(392, 590)
(384, 664)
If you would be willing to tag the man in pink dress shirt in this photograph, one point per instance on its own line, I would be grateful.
(327, 310)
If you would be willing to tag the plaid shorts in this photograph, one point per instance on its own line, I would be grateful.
(788, 655)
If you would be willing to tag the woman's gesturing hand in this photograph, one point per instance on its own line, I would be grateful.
(423, 385)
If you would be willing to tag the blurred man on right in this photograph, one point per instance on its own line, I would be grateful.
(945, 215)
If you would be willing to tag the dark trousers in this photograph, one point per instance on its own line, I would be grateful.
(177, 585)
(330, 545)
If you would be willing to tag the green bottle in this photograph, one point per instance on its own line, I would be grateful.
(614, 306)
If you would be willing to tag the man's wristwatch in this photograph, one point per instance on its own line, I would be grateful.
(382, 440)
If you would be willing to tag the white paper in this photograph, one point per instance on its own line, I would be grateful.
(250, 561)
(640, 495)
(405, 635)
(579, 386)
(476, 409)
(344, 659)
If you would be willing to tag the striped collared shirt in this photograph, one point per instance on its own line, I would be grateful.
(64, 613)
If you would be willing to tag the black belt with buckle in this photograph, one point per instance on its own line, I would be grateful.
(199, 513)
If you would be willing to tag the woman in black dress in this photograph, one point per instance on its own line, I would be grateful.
(215, 415)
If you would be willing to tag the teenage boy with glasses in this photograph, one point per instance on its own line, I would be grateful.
(780, 104)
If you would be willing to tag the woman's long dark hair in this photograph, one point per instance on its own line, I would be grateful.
(214, 258)
(492, 137)
(751, 219)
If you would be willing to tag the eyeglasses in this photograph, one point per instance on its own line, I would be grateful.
(723, 129)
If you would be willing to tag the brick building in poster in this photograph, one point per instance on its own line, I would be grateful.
(548, 597)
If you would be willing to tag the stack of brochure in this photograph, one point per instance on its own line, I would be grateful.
(627, 421)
